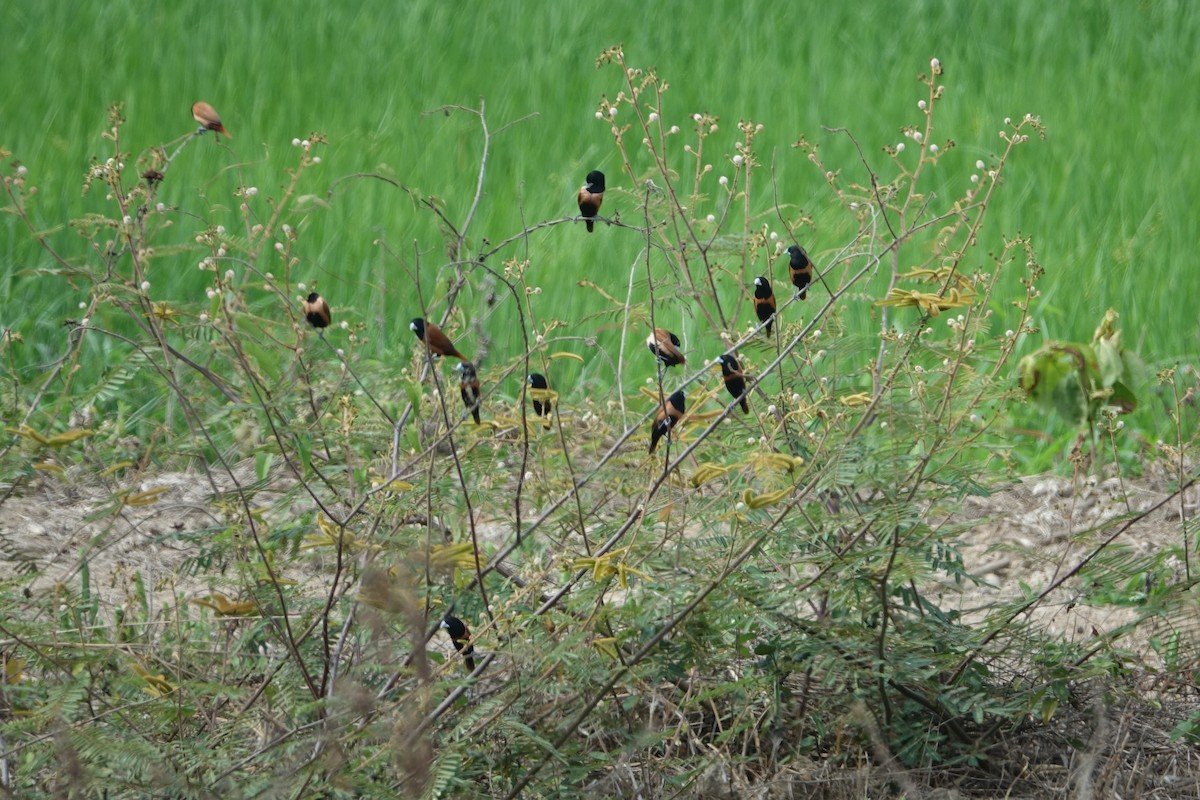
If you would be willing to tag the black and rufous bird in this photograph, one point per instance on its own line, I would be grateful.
(800, 269)
(735, 381)
(460, 637)
(468, 387)
(591, 197)
(764, 302)
(665, 347)
(316, 311)
(670, 413)
(539, 389)
(206, 115)
(438, 343)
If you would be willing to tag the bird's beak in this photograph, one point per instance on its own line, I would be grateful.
(443, 625)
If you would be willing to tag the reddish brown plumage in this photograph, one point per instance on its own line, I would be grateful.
(207, 116)
(316, 311)
(438, 343)
(671, 412)
(665, 347)
(800, 268)
(591, 197)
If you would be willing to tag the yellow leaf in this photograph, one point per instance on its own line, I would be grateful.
(14, 669)
(857, 399)
(224, 607)
(707, 472)
(28, 433)
(66, 437)
(607, 646)
(164, 312)
(461, 556)
(765, 499)
(575, 356)
(146, 498)
(156, 685)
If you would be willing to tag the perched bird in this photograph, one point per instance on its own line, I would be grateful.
(670, 413)
(800, 269)
(539, 389)
(206, 115)
(591, 197)
(735, 381)
(468, 387)
(764, 302)
(460, 637)
(316, 311)
(665, 347)
(438, 343)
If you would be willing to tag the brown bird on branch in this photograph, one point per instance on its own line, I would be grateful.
(468, 388)
(671, 412)
(207, 116)
(316, 312)
(438, 343)
(764, 302)
(591, 197)
(800, 268)
(665, 347)
(460, 637)
(735, 381)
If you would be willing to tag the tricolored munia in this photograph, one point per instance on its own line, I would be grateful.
(671, 412)
(735, 381)
(316, 312)
(207, 116)
(460, 637)
(800, 268)
(764, 302)
(438, 343)
(591, 197)
(665, 347)
(539, 390)
(468, 387)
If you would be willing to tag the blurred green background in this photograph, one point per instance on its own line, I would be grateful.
(1106, 198)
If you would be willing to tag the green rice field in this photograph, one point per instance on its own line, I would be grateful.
(1106, 197)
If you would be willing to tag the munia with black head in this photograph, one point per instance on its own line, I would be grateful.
(460, 637)
(764, 302)
(671, 412)
(468, 387)
(591, 197)
(539, 389)
(800, 268)
(206, 115)
(316, 312)
(665, 347)
(735, 381)
(438, 343)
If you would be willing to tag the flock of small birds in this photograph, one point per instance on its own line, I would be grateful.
(662, 344)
